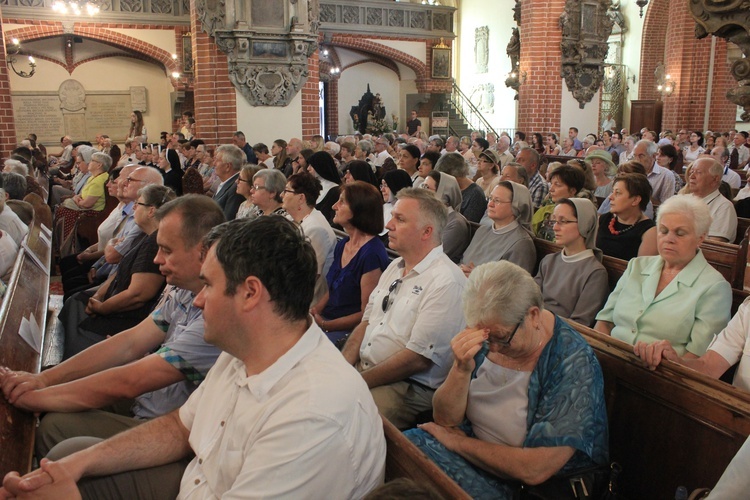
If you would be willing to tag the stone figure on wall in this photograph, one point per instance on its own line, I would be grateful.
(481, 48)
(72, 96)
(483, 97)
(513, 49)
(368, 104)
(517, 12)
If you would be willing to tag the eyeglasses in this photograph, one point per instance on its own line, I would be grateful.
(506, 341)
(259, 188)
(130, 179)
(143, 204)
(296, 160)
(495, 201)
(387, 299)
(240, 179)
(562, 222)
(290, 191)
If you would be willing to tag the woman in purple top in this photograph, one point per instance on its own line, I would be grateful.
(358, 260)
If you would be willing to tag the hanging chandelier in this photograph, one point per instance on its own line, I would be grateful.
(11, 52)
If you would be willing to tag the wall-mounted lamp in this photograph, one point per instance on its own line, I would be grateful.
(515, 79)
(13, 50)
(335, 71)
(641, 4)
(664, 83)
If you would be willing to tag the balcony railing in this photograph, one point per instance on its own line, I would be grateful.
(386, 17)
(139, 11)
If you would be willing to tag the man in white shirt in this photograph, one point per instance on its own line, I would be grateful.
(742, 153)
(280, 415)
(381, 152)
(704, 181)
(661, 180)
(402, 346)
(503, 151)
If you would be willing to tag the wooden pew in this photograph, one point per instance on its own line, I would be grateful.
(729, 259)
(27, 294)
(403, 459)
(743, 226)
(669, 427)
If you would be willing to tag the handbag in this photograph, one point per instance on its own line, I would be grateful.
(594, 483)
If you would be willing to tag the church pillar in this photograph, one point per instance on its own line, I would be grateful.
(310, 98)
(539, 98)
(687, 62)
(8, 134)
(214, 95)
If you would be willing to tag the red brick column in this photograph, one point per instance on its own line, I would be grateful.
(310, 96)
(539, 98)
(332, 106)
(687, 61)
(653, 42)
(214, 95)
(8, 139)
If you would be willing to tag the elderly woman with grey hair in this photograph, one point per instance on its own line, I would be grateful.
(267, 191)
(457, 233)
(675, 296)
(574, 282)
(509, 238)
(474, 201)
(497, 419)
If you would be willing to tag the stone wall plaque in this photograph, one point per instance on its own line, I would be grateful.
(108, 114)
(138, 99)
(72, 96)
(481, 49)
(75, 125)
(40, 115)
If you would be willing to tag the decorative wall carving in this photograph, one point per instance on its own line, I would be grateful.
(483, 97)
(619, 24)
(585, 29)
(729, 19)
(481, 48)
(269, 65)
(517, 12)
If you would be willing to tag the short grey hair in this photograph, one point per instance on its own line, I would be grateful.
(17, 167)
(275, 181)
(452, 164)
(156, 195)
(499, 292)
(692, 207)
(233, 155)
(651, 147)
(432, 212)
(716, 169)
(15, 185)
(365, 146)
(104, 159)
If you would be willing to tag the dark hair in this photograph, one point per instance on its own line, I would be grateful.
(413, 151)
(631, 167)
(570, 176)
(744, 134)
(432, 157)
(324, 164)
(574, 128)
(261, 148)
(521, 135)
(305, 183)
(637, 185)
(366, 205)
(482, 143)
(671, 152)
(199, 215)
(396, 180)
(435, 176)
(275, 251)
(700, 137)
(539, 140)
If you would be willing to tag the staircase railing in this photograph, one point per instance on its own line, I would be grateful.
(468, 112)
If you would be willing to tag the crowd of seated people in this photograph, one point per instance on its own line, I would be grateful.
(401, 324)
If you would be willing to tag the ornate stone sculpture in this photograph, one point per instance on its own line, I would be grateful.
(481, 48)
(729, 19)
(585, 29)
(268, 65)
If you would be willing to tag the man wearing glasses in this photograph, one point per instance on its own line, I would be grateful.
(402, 347)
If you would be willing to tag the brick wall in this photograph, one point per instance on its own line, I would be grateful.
(653, 46)
(215, 98)
(539, 98)
(687, 61)
(7, 123)
(310, 95)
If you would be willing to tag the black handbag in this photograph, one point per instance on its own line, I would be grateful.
(594, 483)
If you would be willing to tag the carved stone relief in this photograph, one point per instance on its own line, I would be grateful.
(619, 24)
(517, 12)
(729, 19)
(483, 97)
(268, 66)
(585, 29)
(72, 96)
(481, 48)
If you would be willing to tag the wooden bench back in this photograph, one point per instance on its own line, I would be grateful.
(668, 427)
(27, 295)
(743, 226)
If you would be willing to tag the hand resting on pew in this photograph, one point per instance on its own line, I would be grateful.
(52, 481)
(15, 383)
